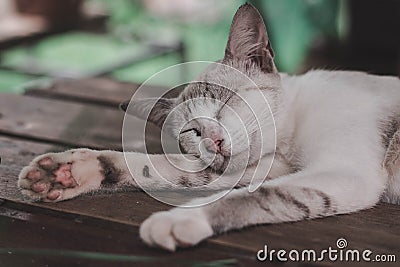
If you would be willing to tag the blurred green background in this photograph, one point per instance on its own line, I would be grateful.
(293, 25)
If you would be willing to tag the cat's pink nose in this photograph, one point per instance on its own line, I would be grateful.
(213, 133)
(214, 146)
(218, 144)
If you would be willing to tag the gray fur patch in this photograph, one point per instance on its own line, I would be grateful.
(266, 208)
(146, 171)
(218, 228)
(111, 174)
(265, 192)
(207, 90)
(326, 200)
(237, 186)
(392, 155)
(291, 200)
(388, 128)
(184, 181)
(205, 177)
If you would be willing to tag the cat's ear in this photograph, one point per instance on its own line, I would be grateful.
(154, 110)
(248, 40)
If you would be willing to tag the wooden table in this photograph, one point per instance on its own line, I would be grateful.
(85, 113)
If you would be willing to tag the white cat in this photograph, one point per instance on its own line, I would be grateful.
(337, 145)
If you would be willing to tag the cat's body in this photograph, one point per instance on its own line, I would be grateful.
(337, 142)
(340, 118)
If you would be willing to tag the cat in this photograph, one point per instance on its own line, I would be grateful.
(335, 151)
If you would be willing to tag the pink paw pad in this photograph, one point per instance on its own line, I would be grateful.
(33, 175)
(63, 175)
(53, 195)
(45, 162)
(39, 187)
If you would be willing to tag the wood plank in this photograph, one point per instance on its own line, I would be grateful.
(377, 229)
(23, 231)
(100, 91)
(71, 124)
(96, 90)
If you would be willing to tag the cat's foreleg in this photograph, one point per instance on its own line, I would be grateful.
(303, 195)
(61, 176)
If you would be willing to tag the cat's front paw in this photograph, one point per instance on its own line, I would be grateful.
(175, 228)
(58, 176)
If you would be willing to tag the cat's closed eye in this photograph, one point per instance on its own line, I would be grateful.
(196, 131)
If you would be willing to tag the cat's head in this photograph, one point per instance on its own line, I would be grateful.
(223, 118)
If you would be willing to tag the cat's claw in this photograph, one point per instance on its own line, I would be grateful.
(175, 228)
(57, 176)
